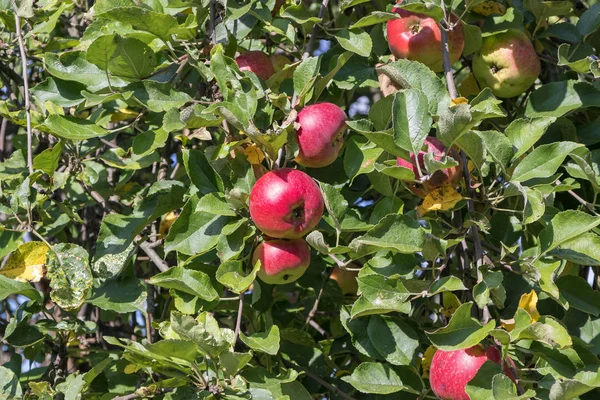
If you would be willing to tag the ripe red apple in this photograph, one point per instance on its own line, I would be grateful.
(418, 37)
(451, 370)
(321, 134)
(506, 63)
(257, 62)
(286, 203)
(345, 279)
(282, 261)
(449, 175)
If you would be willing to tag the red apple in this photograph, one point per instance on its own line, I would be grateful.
(451, 370)
(286, 203)
(418, 37)
(321, 134)
(257, 62)
(345, 279)
(282, 261)
(507, 63)
(450, 175)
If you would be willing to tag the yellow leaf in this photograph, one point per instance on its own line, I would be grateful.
(27, 263)
(450, 302)
(528, 303)
(426, 360)
(442, 198)
(130, 369)
(459, 100)
(166, 222)
(254, 154)
(489, 7)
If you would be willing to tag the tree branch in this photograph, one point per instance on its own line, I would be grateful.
(238, 322)
(315, 307)
(153, 256)
(25, 94)
(320, 381)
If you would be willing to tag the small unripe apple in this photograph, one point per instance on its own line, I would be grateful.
(451, 370)
(345, 279)
(279, 61)
(282, 261)
(418, 37)
(506, 63)
(446, 176)
(257, 62)
(286, 203)
(321, 134)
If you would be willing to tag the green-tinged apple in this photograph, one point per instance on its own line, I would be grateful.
(257, 62)
(451, 370)
(418, 37)
(438, 178)
(281, 261)
(286, 203)
(345, 279)
(506, 63)
(321, 134)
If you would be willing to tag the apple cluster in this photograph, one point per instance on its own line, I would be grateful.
(506, 63)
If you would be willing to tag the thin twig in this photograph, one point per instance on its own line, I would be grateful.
(320, 381)
(3, 127)
(213, 35)
(581, 200)
(446, 57)
(238, 322)
(315, 307)
(154, 257)
(25, 94)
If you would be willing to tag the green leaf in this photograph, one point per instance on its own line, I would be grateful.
(48, 159)
(9, 287)
(543, 161)
(503, 388)
(375, 378)
(547, 330)
(480, 387)
(263, 342)
(10, 387)
(360, 156)
(121, 296)
(399, 233)
(589, 21)
(380, 295)
(411, 119)
(305, 75)
(59, 92)
(233, 362)
(187, 280)
(412, 74)
(374, 18)
(335, 203)
(525, 132)
(70, 275)
(195, 231)
(454, 122)
(72, 128)
(129, 58)
(355, 40)
(231, 275)
(158, 96)
(461, 332)
(564, 226)
(394, 340)
(118, 231)
(204, 331)
(556, 99)
(582, 250)
(72, 66)
(579, 294)
(201, 173)
(143, 19)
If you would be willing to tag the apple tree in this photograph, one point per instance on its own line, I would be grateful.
(266, 199)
